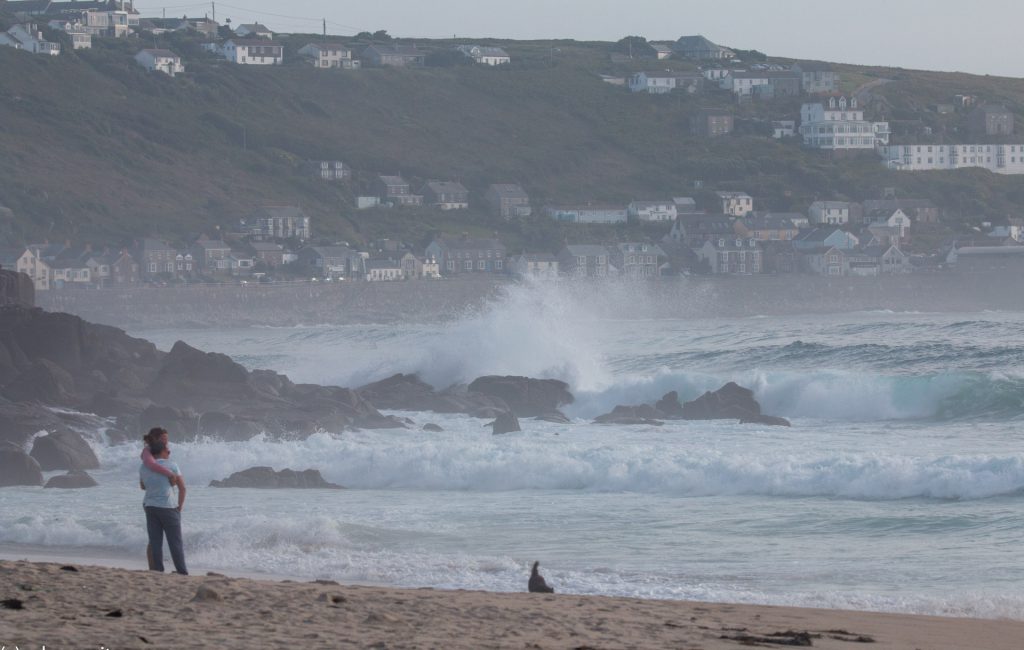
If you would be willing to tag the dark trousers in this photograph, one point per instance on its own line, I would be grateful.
(160, 522)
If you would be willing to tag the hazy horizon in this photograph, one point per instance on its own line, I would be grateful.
(912, 34)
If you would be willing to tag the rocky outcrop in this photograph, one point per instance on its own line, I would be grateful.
(63, 449)
(42, 381)
(267, 478)
(730, 402)
(17, 467)
(505, 422)
(432, 428)
(410, 393)
(770, 420)
(73, 480)
(16, 289)
(526, 397)
(632, 415)
(22, 420)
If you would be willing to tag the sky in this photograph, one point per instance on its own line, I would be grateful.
(977, 36)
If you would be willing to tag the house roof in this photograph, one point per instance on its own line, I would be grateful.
(398, 50)
(281, 211)
(253, 42)
(383, 263)
(587, 207)
(769, 221)
(832, 205)
(733, 195)
(652, 204)
(330, 251)
(392, 180)
(639, 247)
(152, 245)
(332, 47)
(254, 27)
(585, 250)
(992, 108)
(211, 244)
(445, 187)
(818, 234)
(536, 257)
(470, 243)
(509, 191)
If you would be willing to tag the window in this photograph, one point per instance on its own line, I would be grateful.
(468, 265)
(481, 265)
(497, 265)
(451, 265)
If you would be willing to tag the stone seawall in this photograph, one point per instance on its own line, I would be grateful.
(444, 300)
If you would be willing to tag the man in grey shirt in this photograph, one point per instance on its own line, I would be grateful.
(162, 516)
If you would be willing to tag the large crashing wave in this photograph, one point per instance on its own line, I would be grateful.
(609, 461)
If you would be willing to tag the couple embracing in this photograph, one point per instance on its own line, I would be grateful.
(158, 476)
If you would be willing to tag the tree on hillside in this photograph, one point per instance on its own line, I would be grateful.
(447, 59)
(630, 45)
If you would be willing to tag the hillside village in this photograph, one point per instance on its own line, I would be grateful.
(694, 227)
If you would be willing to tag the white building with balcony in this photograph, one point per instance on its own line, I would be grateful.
(997, 158)
(838, 124)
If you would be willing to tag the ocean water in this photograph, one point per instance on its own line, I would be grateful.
(900, 486)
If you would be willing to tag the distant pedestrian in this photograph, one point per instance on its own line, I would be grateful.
(163, 517)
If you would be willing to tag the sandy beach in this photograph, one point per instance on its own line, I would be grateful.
(51, 605)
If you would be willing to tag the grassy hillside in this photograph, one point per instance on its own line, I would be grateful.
(94, 148)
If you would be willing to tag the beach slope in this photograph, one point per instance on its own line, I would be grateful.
(89, 606)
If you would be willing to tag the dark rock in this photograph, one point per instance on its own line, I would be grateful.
(73, 480)
(205, 594)
(632, 415)
(69, 567)
(20, 421)
(410, 393)
(181, 424)
(770, 420)
(430, 426)
(12, 603)
(555, 416)
(16, 289)
(43, 381)
(18, 468)
(64, 449)
(670, 406)
(526, 397)
(227, 427)
(505, 423)
(266, 477)
(110, 404)
(731, 401)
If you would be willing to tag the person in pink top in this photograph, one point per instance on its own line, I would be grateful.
(156, 434)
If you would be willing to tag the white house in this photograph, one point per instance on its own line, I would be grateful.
(81, 39)
(652, 210)
(329, 55)
(587, 213)
(783, 129)
(831, 213)
(253, 51)
(485, 55)
(997, 158)
(658, 83)
(533, 265)
(744, 84)
(163, 61)
(253, 30)
(896, 219)
(839, 124)
(737, 204)
(28, 37)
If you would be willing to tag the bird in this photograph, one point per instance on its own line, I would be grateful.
(537, 585)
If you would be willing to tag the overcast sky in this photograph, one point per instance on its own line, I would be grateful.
(979, 36)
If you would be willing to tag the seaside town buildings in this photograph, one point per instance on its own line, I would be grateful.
(838, 124)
